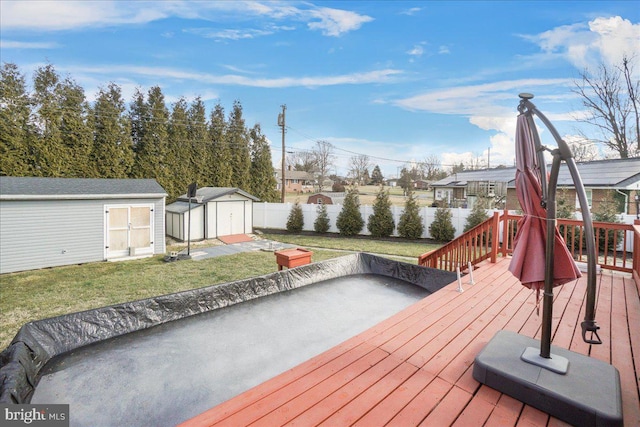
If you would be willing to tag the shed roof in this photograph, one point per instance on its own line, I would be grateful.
(31, 188)
(180, 207)
(616, 173)
(211, 193)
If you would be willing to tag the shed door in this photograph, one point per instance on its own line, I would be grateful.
(129, 230)
(230, 218)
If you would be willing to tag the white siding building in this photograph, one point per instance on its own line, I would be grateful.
(216, 211)
(48, 222)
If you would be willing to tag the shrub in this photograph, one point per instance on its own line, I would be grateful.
(477, 216)
(321, 224)
(442, 229)
(349, 221)
(410, 225)
(295, 221)
(607, 211)
(381, 223)
(337, 187)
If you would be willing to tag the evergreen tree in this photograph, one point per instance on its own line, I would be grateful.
(237, 138)
(321, 224)
(179, 156)
(607, 211)
(477, 216)
(112, 149)
(197, 135)
(349, 221)
(138, 115)
(263, 180)
(51, 157)
(152, 152)
(376, 176)
(442, 229)
(295, 220)
(381, 222)
(220, 168)
(16, 129)
(411, 224)
(76, 130)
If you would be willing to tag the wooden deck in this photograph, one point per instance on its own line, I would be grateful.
(415, 368)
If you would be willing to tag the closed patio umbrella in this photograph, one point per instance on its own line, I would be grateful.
(528, 262)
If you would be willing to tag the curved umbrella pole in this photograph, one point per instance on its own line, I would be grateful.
(562, 153)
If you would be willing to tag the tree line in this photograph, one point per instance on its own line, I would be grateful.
(53, 131)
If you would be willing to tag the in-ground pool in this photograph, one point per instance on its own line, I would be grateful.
(161, 373)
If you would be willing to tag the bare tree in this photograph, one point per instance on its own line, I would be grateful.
(324, 159)
(582, 150)
(302, 161)
(359, 167)
(612, 105)
(432, 168)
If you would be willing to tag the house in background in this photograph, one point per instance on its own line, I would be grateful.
(618, 178)
(49, 222)
(215, 212)
(295, 181)
(326, 199)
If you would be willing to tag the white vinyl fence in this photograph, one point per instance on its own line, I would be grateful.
(275, 215)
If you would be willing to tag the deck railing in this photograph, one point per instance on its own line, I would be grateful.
(496, 236)
(474, 246)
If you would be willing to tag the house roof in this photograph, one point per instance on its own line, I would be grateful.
(616, 173)
(180, 207)
(30, 188)
(292, 174)
(211, 193)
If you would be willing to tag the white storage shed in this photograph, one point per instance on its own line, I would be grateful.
(48, 222)
(216, 211)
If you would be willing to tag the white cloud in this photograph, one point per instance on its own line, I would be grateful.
(416, 51)
(335, 22)
(585, 45)
(228, 34)
(10, 44)
(490, 107)
(411, 11)
(444, 50)
(376, 76)
(44, 15)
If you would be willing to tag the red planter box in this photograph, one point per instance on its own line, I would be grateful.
(293, 257)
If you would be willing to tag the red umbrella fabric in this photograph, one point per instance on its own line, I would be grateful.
(528, 261)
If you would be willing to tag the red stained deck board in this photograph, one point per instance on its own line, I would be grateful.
(449, 408)
(359, 406)
(424, 402)
(384, 410)
(320, 391)
(333, 388)
(506, 412)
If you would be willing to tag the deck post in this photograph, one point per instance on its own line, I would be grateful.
(505, 232)
(495, 225)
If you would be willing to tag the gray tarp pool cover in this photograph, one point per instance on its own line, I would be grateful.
(38, 342)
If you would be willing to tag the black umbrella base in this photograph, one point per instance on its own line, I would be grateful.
(588, 394)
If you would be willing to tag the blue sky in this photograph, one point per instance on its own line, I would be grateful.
(399, 81)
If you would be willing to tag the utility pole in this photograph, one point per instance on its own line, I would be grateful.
(282, 124)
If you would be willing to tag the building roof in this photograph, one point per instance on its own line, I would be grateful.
(30, 188)
(211, 193)
(181, 207)
(616, 173)
(293, 174)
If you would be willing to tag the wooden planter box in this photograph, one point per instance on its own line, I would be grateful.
(293, 257)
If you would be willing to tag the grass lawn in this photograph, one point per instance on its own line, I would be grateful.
(39, 294)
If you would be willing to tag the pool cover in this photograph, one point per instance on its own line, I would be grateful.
(40, 341)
